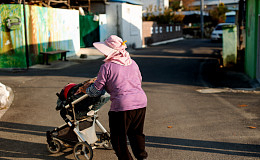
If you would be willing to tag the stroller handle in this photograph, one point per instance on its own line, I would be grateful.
(77, 100)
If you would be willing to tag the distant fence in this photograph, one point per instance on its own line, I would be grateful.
(153, 32)
(47, 29)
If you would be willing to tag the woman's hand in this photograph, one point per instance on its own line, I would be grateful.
(83, 88)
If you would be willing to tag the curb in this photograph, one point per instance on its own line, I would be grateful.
(167, 41)
(253, 83)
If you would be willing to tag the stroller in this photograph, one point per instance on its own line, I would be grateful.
(79, 111)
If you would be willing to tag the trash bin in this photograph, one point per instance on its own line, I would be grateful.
(229, 54)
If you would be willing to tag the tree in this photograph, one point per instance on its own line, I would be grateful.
(175, 5)
(218, 13)
(168, 17)
(187, 4)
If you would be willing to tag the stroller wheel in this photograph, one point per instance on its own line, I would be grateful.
(107, 145)
(54, 146)
(106, 142)
(82, 151)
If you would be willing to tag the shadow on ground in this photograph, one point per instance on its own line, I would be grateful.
(238, 149)
(15, 147)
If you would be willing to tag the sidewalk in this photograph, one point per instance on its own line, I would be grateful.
(83, 55)
(230, 78)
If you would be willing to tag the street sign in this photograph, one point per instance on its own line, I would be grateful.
(13, 22)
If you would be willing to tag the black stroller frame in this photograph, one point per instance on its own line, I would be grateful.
(79, 133)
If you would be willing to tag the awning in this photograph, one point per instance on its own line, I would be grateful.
(136, 2)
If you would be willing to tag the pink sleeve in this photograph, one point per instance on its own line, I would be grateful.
(101, 78)
(139, 73)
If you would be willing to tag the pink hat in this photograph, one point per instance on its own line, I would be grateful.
(112, 44)
(114, 50)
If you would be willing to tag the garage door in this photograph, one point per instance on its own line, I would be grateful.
(258, 53)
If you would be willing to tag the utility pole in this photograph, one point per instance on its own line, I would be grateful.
(202, 18)
(25, 32)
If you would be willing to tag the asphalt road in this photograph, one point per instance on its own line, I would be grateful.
(182, 121)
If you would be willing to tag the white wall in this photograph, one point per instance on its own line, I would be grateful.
(70, 26)
(112, 22)
(125, 21)
(102, 27)
(132, 24)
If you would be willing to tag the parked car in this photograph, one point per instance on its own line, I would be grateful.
(217, 33)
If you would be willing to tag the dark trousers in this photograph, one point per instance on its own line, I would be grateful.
(128, 124)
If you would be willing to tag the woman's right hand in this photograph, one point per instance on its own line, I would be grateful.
(85, 86)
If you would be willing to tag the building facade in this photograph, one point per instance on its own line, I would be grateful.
(125, 20)
(209, 4)
(154, 6)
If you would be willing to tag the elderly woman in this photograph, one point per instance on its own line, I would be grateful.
(121, 78)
